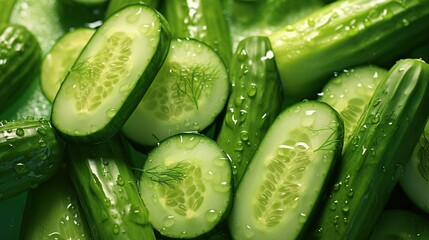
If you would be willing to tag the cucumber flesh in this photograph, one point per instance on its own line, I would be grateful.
(278, 194)
(186, 186)
(111, 75)
(188, 93)
(60, 59)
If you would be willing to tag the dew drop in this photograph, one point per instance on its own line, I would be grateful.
(42, 143)
(41, 130)
(248, 231)
(115, 229)
(20, 132)
(120, 181)
(20, 168)
(168, 221)
(211, 215)
(111, 112)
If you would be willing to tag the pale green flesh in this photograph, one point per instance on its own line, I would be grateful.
(106, 72)
(188, 93)
(350, 92)
(196, 204)
(60, 59)
(278, 191)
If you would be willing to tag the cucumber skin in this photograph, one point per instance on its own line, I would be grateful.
(249, 73)
(30, 153)
(57, 209)
(21, 57)
(376, 154)
(361, 32)
(107, 190)
(203, 20)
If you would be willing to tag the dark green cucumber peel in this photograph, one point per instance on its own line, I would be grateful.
(20, 59)
(303, 144)
(111, 76)
(344, 34)
(53, 211)
(107, 190)
(254, 102)
(30, 153)
(376, 154)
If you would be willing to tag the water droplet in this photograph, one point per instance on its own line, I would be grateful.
(20, 132)
(351, 193)
(41, 130)
(375, 118)
(168, 221)
(111, 112)
(120, 181)
(251, 92)
(20, 168)
(302, 217)
(248, 231)
(244, 135)
(243, 116)
(239, 101)
(222, 186)
(42, 143)
(310, 22)
(333, 206)
(211, 215)
(116, 229)
(346, 206)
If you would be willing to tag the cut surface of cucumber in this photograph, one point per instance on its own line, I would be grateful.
(286, 177)
(350, 91)
(111, 75)
(188, 93)
(186, 185)
(60, 59)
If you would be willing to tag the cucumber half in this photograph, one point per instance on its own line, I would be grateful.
(111, 75)
(286, 177)
(186, 186)
(188, 93)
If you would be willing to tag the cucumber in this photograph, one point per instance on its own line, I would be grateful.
(376, 155)
(254, 102)
(186, 184)
(287, 176)
(30, 153)
(349, 92)
(401, 224)
(107, 190)
(188, 94)
(57, 211)
(203, 20)
(415, 180)
(5, 10)
(20, 59)
(111, 75)
(59, 60)
(345, 34)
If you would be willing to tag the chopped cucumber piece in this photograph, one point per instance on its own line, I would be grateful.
(111, 75)
(60, 59)
(415, 181)
(186, 186)
(188, 93)
(286, 178)
(349, 92)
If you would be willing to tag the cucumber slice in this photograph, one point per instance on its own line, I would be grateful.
(111, 75)
(60, 59)
(188, 93)
(349, 93)
(186, 186)
(286, 178)
(401, 224)
(415, 181)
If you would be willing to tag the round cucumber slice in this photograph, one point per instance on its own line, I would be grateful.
(60, 59)
(111, 75)
(278, 193)
(415, 181)
(186, 186)
(188, 93)
(349, 93)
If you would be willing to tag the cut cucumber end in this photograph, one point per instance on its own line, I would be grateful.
(111, 75)
(186, 186)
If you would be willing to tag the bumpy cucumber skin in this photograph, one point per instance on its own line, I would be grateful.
(345, 34)
(30, 153)
(203, 20)
(129, 104)
(375, 156)
(255, 101)
(107, 190)
(290, 183)
(20, 59)
(57, 211)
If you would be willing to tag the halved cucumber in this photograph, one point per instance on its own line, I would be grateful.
(111, 75)
(188, 93)
(60, 59)
(350, 91)
(286, 177)
(186, 186)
